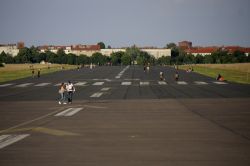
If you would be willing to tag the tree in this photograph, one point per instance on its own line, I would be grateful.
(82, 59)
(71, 59)
(101, 44)
(209, 59)
(133, 52)
(126, 59)
(116, 57)
(199, 59)
(240, 56)
(98, 58)
(23, 55)
(33, 54)
(3, 55)
(164, 60)
(171, 46)
(143, 58)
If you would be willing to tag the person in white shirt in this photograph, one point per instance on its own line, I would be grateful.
(70, 89)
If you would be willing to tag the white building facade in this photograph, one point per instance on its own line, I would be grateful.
(9, 49)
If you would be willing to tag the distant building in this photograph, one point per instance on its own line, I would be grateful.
(89, 50)
(201, 50)
(185, 44)
(155, 52)
(209, 50)
(12, 49)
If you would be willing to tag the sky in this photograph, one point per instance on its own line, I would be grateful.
(122, 23)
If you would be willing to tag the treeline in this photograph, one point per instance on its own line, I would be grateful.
(132, 55)
(179, 56)
(32, 55)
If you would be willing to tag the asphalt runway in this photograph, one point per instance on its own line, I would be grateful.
(124, 116)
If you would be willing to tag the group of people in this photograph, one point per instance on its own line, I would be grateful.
(176, 76)
(38, 73)
(66, 93)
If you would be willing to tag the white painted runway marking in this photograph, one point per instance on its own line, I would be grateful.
(4, 85)
(43, 84)
(181, 82)
(219, 82)
(126, 83)
(122, 72)
(162, 83)
(64, 112)
(144, 83)
(98, 83)
(73, 112)
(80, 83)
(132, 79)
(105, 89)
(6, 140)
(23, 85)
(69, 112)
(200, 83)
(97, 94)
(58, 84)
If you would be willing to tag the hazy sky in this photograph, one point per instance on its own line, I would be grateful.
(125, 22)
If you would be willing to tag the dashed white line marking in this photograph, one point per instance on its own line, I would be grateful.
(181, 82)
(6, 140)
(132, 79)
(162, 83)
(200, 83)
(64, 112)
(118, 77)
(73, 112)
(219, 83)
(80, 83)
(126, 83)
(4, 85)
(69, 112)
(23, 85)
(97, 94)
(105, 89)
(144, 83)
(98, 83)
(42, 84)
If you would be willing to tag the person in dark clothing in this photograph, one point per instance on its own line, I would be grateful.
(39, 73)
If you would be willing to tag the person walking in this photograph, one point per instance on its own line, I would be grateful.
(176, 76)
(38, 73)
(70, 89)
(33, 73)
(62, 91)
(162, 76)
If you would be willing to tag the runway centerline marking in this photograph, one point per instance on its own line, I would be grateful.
(4, 85)
(6, 140)
(200, 83)
(24, 85)
(97, 94)
(162, 83)
(144, 83)
(181, 82)
(98, 83)
(219, 83)
(80, 83)
(126, 83)
(105, 89)
(69, 112)
(43, 84)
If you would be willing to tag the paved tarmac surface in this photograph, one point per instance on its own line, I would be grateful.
(125, 116)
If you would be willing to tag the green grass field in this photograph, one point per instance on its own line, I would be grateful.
(15, 71)
(239, 73)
